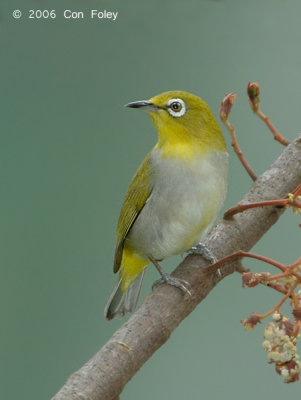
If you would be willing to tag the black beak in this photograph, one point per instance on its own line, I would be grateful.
(144, 105)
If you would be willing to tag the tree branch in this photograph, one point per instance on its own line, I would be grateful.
(104, 376)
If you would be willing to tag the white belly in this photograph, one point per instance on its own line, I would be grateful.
(183, 205)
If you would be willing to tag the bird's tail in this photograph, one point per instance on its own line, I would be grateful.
(122, 302)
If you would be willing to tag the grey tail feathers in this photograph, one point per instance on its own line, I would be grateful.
(120, 303)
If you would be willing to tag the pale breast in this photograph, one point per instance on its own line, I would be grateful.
(184, 203)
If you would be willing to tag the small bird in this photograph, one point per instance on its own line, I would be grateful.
(174, 197)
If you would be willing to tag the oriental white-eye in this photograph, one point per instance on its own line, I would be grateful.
(174, 197)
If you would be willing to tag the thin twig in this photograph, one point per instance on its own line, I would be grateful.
(289, 201)
(279, 138)
(281, 302)
(238, 150)
(225, 109)
(286, 269)
(240, 254)
(253, 90)
(275, 286)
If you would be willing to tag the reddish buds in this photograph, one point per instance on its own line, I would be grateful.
(249, 279)
(226, 106)
(297, 314)
(253, 90)
(251, 322)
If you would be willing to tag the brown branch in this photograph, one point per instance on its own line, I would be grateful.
(104, 376)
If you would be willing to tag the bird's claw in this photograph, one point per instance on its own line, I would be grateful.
(204, 251)
(172, 281)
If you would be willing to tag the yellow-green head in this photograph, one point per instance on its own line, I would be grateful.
(185, 124)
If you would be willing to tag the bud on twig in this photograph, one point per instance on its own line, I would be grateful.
(249, 279)
(226, 106)
(253, 90)
(251, 322)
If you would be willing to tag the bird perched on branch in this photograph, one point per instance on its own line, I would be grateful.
(174, 197)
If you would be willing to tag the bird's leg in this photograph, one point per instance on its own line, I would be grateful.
(170, 280)
(204, 251)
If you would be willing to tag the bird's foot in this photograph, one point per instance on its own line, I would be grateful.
(204, 251)
(172, 281)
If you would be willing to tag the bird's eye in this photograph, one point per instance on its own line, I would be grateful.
(176, 107)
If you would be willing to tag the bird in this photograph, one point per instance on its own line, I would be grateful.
(174, 197)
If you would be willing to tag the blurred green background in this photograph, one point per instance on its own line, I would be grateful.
(68, 151)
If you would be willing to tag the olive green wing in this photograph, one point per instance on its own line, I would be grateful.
(135, 199)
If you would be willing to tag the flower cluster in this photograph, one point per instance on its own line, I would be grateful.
(281, 335)
(280, 345)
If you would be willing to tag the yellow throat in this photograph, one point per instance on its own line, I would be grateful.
(185, 133)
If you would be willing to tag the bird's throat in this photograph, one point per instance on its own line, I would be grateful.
(187, 147)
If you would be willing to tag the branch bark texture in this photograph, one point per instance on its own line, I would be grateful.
(104, 376)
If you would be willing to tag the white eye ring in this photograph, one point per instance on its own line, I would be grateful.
(182, 108)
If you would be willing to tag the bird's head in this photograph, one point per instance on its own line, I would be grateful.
(182, 117)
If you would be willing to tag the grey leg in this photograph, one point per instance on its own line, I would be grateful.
(170, 280)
